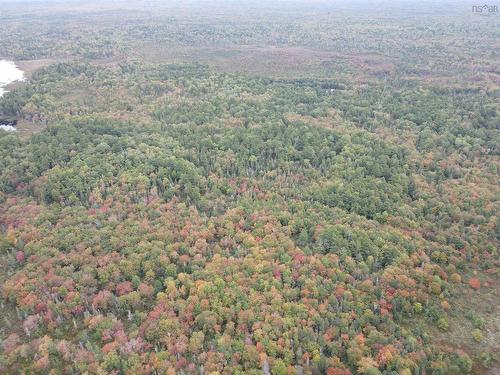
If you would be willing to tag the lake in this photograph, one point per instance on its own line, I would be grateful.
(9, 73)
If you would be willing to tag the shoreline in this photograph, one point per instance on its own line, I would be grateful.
(10, 74)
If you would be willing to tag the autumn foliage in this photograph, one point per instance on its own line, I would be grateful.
(191, 219)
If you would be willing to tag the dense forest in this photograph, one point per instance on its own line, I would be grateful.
(225, 188)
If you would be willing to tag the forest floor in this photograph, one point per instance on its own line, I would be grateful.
(282, 62)
(30, 66)
(481, 304)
